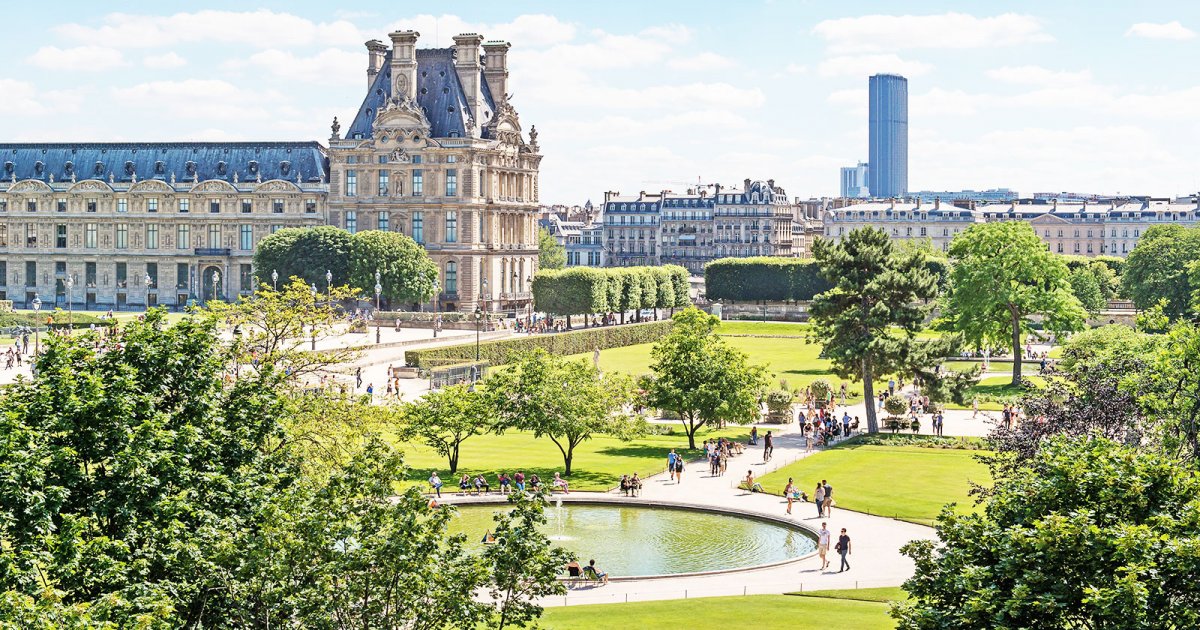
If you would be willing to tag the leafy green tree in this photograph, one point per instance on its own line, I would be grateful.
(323, 430)
(648, 283)
(1169, 392)
(1157, 268)
(407, 274)
(566, 401)
(1087, 534)
(282, 328)
(700, 377)
(445, 418)
(1086, 289)
(1114, 344)
(306, 253)
(1003, 274)
(1154, 319)
(681, 282)
(551, 255)
(869, 320)
(523, 567)
(1107, 279)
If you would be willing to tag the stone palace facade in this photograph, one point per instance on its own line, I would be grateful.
(436, 151)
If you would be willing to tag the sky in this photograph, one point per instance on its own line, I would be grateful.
(1092, 97)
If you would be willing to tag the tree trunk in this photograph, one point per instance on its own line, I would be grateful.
(567, 457)
(690, 427)
(453, 460)
(622, 317)
(869, 397)
(1016, 340)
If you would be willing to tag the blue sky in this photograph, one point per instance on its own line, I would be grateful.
(1066, 96)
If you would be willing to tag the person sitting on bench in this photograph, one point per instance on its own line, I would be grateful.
(635, 484)
(625, 485)
(574, 571)
(534, 482)
(464, 484)
(750, 484)
(593, 573)
(561, 483)
(481, 484)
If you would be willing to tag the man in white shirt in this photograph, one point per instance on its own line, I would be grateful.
(823, 546)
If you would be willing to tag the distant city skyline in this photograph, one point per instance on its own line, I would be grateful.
(887, 136)
(632, 96)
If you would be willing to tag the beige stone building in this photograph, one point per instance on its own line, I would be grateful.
(117, 225)
(437, 151)
(903, 220)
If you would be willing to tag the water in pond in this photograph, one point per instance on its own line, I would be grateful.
(628, 541)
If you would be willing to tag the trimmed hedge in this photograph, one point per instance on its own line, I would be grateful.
(61, 320)
(764, 278)
(585, 290)
(506, 350)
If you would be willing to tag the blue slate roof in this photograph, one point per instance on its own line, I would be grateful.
(159, 160)
(439, 93)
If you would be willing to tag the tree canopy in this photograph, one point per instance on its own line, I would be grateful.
(1086, 534)
(306, 253)
(1158, 268)
(445, 418)
(869, 320)
(700, 377)
(407, 274)
(1002, 274)
(551, 255)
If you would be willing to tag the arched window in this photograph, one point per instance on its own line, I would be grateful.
(451, 277)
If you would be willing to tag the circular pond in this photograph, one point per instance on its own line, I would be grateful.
(629, 540)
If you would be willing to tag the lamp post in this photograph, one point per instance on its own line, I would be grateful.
(478, 322)
(216, 279)
(70, 305)
(529, 302)
(314, 322)
(437, 299)
(37, 324)
(329, 287)
(378, 290)
(512, 289)
(275, 279)
(484, 297)
(147, 279)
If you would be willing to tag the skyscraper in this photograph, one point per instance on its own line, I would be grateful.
(888, 151)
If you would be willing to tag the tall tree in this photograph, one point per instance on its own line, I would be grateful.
(1087, 534)
(1158, 268)
(551, 255)
(1086, 288)
(523, 566)
(869, 320)
(700, 377)
(1169, 392)
(566, 401)
(1002, 275)
(407, 274)
(445, 418)
(306, 253)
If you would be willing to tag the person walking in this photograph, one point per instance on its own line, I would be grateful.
(828, 497)
(823, 537)
(678, 469)
(843, 548)
(671, 457)
(819, 499)
(789, 492)
(357, 377)
(768, 446)
(753, 436)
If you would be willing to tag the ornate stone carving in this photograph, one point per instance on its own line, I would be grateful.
(150, 185)
(400, 157)
(91, 185)
(214, 185)
(336, 128)
(276, 185)
(29, 185)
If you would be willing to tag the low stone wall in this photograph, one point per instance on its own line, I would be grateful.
(769, 311)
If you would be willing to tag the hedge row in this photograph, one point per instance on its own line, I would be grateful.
(61, 319)
(764, 278)
(585, 290)
(506, 350)
(1117, 265)
(448, 317)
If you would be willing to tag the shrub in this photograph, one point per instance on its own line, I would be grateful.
(577, 342)
(779, 400)
(895, 405)
(820, 389)
(764, 278)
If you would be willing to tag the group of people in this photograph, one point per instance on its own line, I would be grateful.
(589, 572)
(12, 357)
(718, 452)
(631, 485)
(842, 547)
(516, 482)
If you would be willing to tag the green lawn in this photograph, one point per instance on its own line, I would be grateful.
(906, 482)
(763, 328)
(884, 594)
(760, 612)
(598, 463)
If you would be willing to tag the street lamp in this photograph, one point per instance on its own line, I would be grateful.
(437, 298)
(378, 290)
(329, 287)
(484, 297)
(314, 322)
(216, 278)
(147, 280)
(478, 321)
(70, 305)
(529, 302)
(275, 279)
(37, 324)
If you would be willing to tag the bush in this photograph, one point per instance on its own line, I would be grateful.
(895, 405)
(61, 320)
(779, 400)
(577, 342)
(764, 278)
(584, 291)
(820, 389)
(922, 441)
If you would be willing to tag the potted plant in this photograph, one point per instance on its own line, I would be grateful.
(779, 406)
(821, 389)
(895, 406)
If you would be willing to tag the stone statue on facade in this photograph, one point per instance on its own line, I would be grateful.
(336, 127)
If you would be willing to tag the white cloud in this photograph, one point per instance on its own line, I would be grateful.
(873, 33)
(672, 33)
(703, 62)
(796, 68)
(331, 65)
(164, 61)
(260, 28)
(78, 58)
(204, 100)
(866, 65)
(529, 31)
(24, 99)
(939, 102)
(1037, 75)
(1168, 30)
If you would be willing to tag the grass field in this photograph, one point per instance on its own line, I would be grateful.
(598, 463)
(883, 595)
(906, 482)
(760, 612)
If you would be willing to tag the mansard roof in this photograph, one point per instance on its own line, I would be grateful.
(123, 161)
(439, 93)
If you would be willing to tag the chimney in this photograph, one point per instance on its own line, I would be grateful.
(375, 53)
(404, 64)
(893, 206)
(1054, 206)
(469, 66)
(918, 200)
(746, 185)
(937, 203)
(495, 70)
(771, 184)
